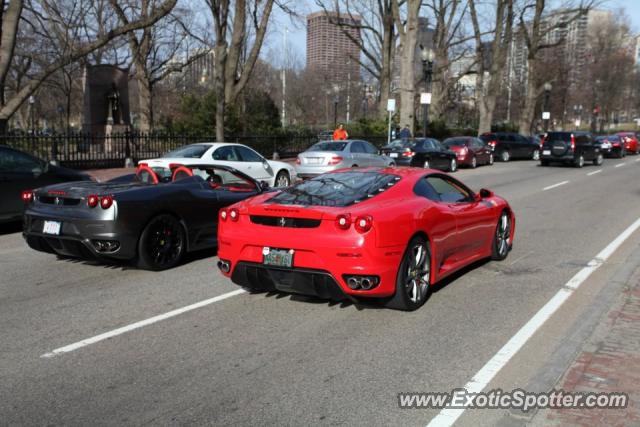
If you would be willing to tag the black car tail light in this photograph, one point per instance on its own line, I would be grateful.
(106, 202)
(27, 196)
(573, 142)
(93, 200)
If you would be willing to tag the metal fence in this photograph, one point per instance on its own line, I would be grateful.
(88, 151)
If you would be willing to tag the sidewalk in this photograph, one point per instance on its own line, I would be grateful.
(608, 362)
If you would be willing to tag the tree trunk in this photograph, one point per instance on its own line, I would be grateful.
(219, 79)
(525, 124)
(407, 66)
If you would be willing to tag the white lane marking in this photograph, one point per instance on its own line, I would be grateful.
(594, 172)
(619, 165)
(555, 185)
(447, 416)
(140, 324)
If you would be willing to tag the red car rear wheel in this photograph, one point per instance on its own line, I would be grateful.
(414, 276)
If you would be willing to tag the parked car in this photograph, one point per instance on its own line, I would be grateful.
(421, 152)
(326, 156)
(573, 148)
(611, 146)
(153, 217)
(386, 233)
(509, 145)
(470, 151)
(630, 140)
(20, 171)
(236, 156)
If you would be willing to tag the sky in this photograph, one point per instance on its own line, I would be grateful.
(297, 34)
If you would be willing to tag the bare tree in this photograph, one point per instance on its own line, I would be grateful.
(74, 51)
(377, 37)
(157, 51)
(490, 59)
(535, 28)
(231, 69)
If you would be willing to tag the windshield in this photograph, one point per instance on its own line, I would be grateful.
(193, 151)
(336, 189)
(328, 146)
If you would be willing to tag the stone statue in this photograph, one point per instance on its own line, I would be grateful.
(114, 105)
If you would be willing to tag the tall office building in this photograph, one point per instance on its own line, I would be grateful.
(329, 49)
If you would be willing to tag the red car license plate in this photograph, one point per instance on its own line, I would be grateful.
(277, 257)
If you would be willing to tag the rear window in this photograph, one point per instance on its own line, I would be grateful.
(402, 143)
(558, 136)
(328, 146)
(451, 142)
(194, 151)
(336, 189)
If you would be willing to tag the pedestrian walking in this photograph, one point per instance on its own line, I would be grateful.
(340, 134)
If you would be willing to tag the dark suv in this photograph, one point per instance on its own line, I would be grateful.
(574, 148)
(510, 145)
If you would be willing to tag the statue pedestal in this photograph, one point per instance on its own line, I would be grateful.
(114, 138)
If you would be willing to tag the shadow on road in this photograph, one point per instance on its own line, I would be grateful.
(11, 227)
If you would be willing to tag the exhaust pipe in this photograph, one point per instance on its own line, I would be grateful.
(353, 282)
(224, 266)
(366, 283)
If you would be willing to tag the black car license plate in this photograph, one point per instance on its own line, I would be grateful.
(277, 257)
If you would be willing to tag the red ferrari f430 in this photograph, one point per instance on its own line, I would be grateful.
(386, 234)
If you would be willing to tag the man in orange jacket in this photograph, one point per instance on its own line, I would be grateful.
(340, 133)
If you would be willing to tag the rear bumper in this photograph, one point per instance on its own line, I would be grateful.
(317, 283)
(321, 259)
(77, 238)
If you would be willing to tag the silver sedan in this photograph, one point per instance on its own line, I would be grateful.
(327, 156)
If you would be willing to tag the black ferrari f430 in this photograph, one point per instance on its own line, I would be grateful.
(153, 217)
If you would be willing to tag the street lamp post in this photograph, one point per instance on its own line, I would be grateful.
(596, 108)
(427, 56)
(546, 114)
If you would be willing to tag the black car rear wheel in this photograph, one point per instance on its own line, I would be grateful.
(426, 164)
(579, 161)
(501, 243)
(162, 243)
(413, 278)
(535, 155)
(598, 160)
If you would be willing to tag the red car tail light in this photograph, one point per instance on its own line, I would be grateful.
(408, 154)
(335, 160)
(298, 161)
(106, 202)
(223, 214)
(93, 200)
(343, 221)
(573, 142)
(363, 223)
(27, 196)
(234, 214)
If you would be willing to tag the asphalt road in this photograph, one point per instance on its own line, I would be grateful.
(279, 359)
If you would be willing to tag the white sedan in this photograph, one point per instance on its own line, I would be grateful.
(237, 156)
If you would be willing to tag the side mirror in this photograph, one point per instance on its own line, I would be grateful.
(485, 194)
